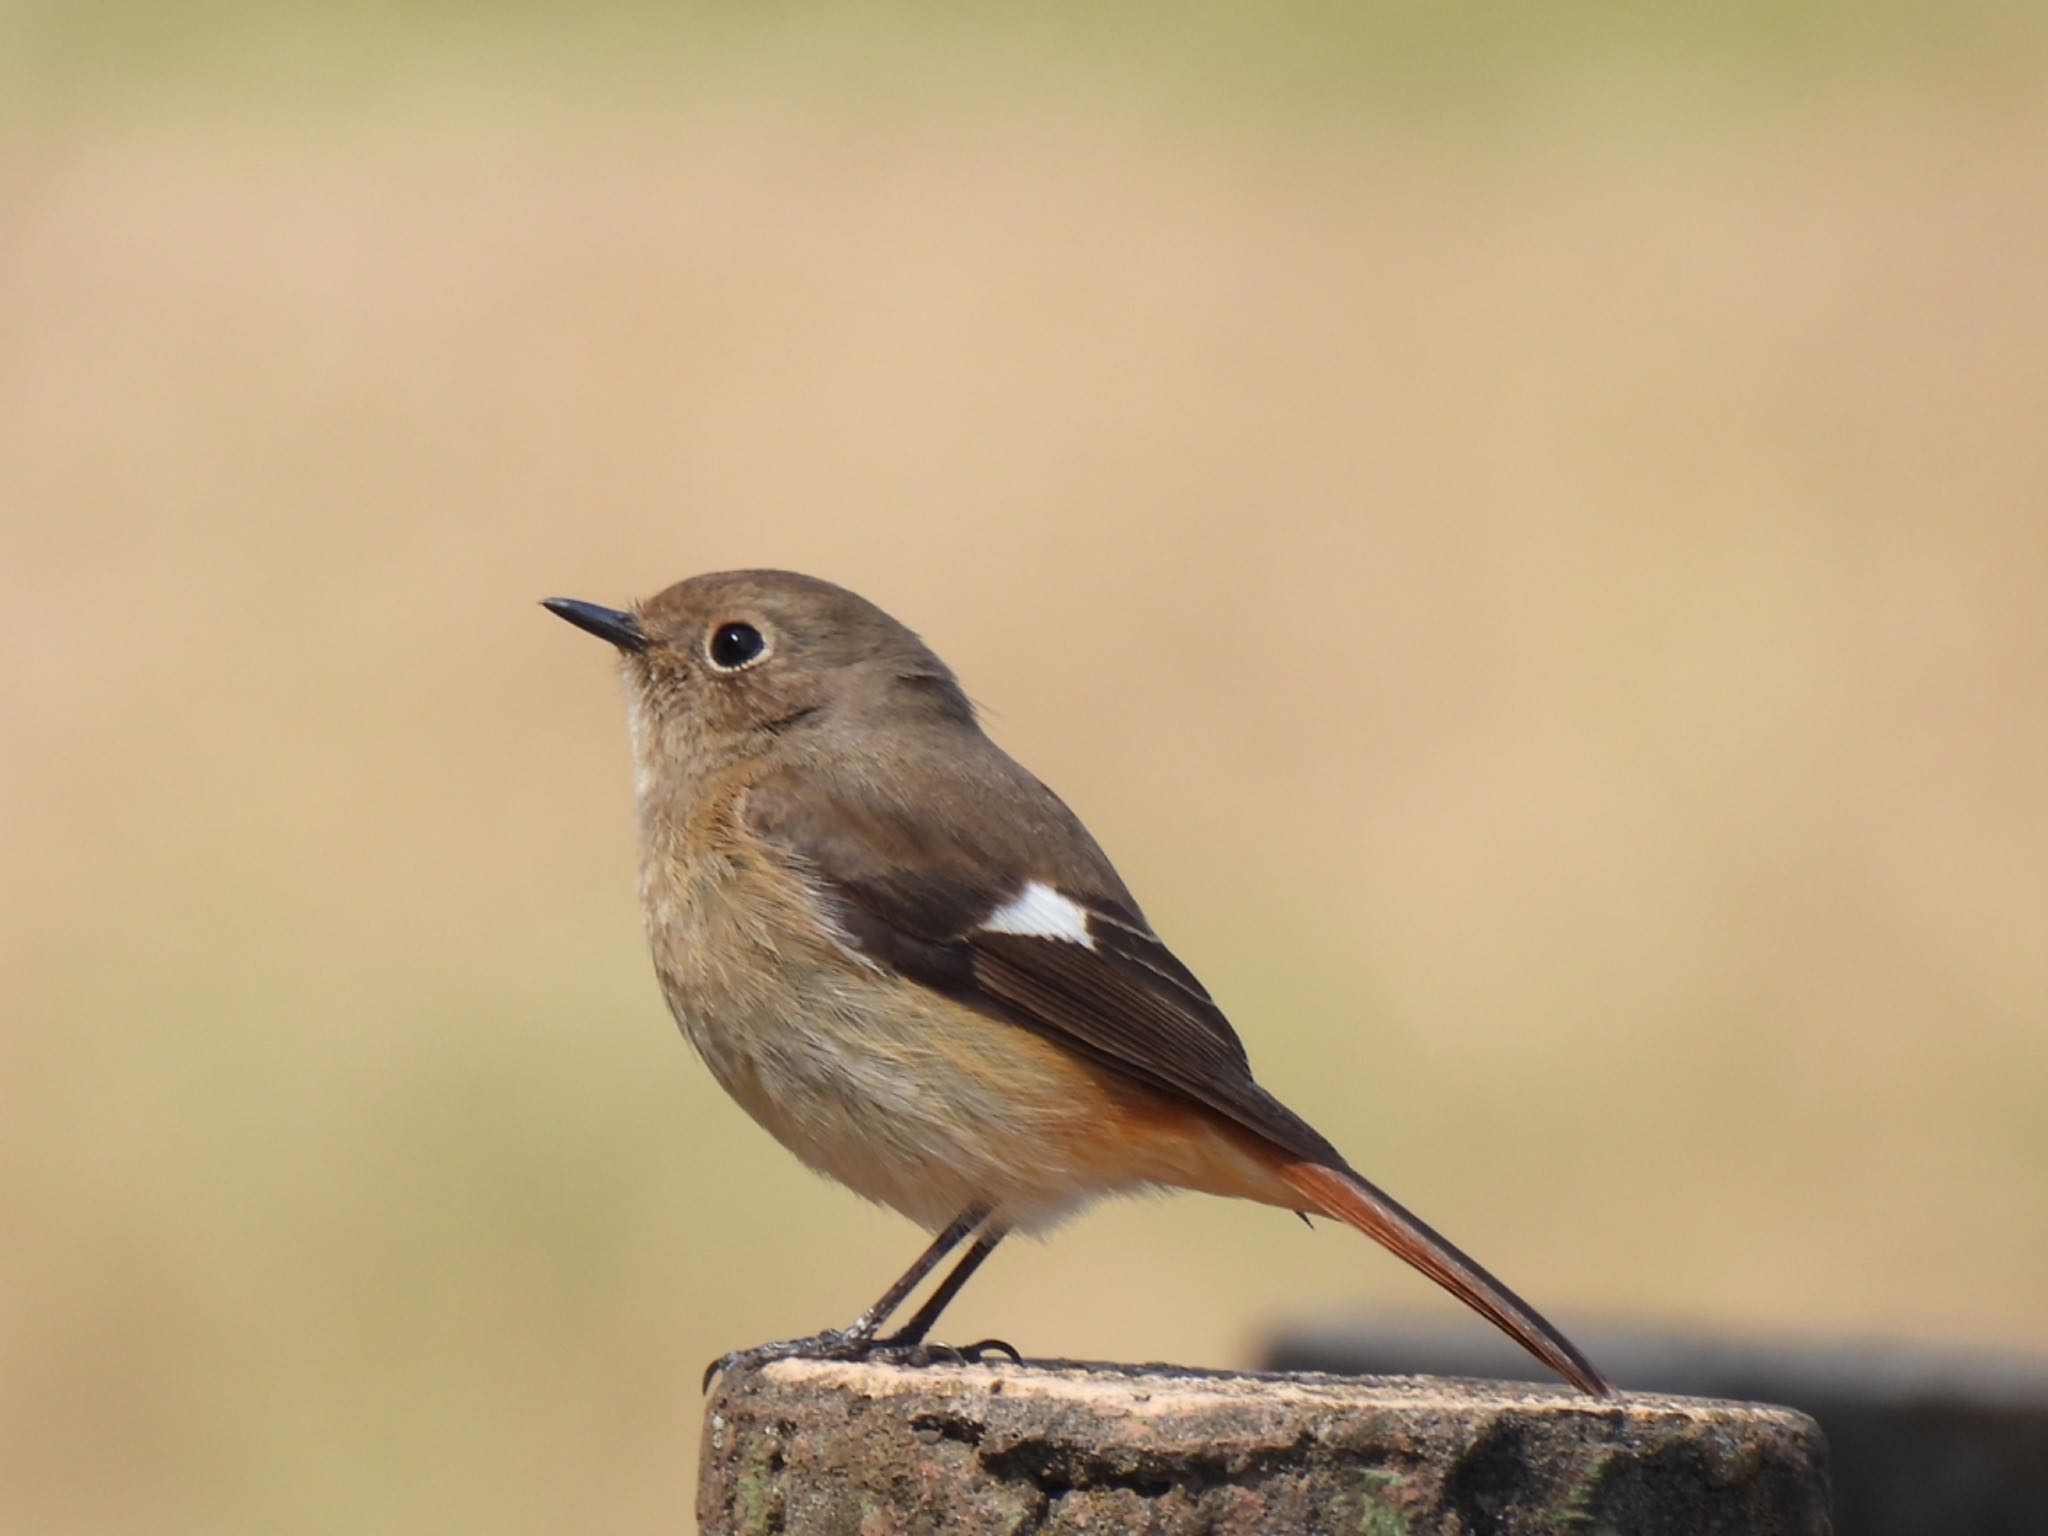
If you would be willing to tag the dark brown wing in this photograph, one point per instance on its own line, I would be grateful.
(936, 897)
(990, 892)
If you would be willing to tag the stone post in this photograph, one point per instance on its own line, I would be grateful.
(875, 1450)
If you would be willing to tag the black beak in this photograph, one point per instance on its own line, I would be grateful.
(622, 629)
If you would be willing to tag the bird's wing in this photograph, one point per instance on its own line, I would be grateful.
(992, 893)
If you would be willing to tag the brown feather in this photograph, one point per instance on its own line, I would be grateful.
(1342, 1194)
(911, 886)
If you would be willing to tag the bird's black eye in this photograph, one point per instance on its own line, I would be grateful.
(734, 645)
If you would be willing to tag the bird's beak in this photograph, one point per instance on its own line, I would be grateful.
(622, 629)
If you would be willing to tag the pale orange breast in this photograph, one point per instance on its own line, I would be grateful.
(905, 1096)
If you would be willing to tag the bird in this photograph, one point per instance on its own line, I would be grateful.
(909, 961)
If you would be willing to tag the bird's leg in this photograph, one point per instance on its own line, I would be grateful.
(857, 1338)
(908, 1342)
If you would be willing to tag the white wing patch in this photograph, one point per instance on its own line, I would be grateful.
(1040, 912)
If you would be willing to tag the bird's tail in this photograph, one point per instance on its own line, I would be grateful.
(1344, 1196)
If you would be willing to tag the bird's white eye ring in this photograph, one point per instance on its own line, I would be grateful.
(735, 645)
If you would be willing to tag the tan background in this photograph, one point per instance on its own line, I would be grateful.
(1527, 540)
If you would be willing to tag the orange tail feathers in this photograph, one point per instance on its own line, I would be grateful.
(1344, 1196)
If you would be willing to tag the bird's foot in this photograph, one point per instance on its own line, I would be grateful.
(851, 1344)
(898, 1350)
(831, 1344)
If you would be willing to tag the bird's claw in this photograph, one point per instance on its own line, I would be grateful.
(832, 1344)
(901, 1351)
(843, 1344)
(981, 1348)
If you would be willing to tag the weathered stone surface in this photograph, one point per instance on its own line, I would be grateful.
(1921, 1437)
(873, 1450)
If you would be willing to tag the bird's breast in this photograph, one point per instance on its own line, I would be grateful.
(906, 1096)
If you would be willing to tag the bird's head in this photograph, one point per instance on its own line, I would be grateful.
(720, 667)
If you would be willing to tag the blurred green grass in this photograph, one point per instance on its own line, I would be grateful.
(1523, 538)
(1210, 56)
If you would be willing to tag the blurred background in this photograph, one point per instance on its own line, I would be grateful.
(1523, 532)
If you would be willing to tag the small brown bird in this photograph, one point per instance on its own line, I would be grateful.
(910, 963)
